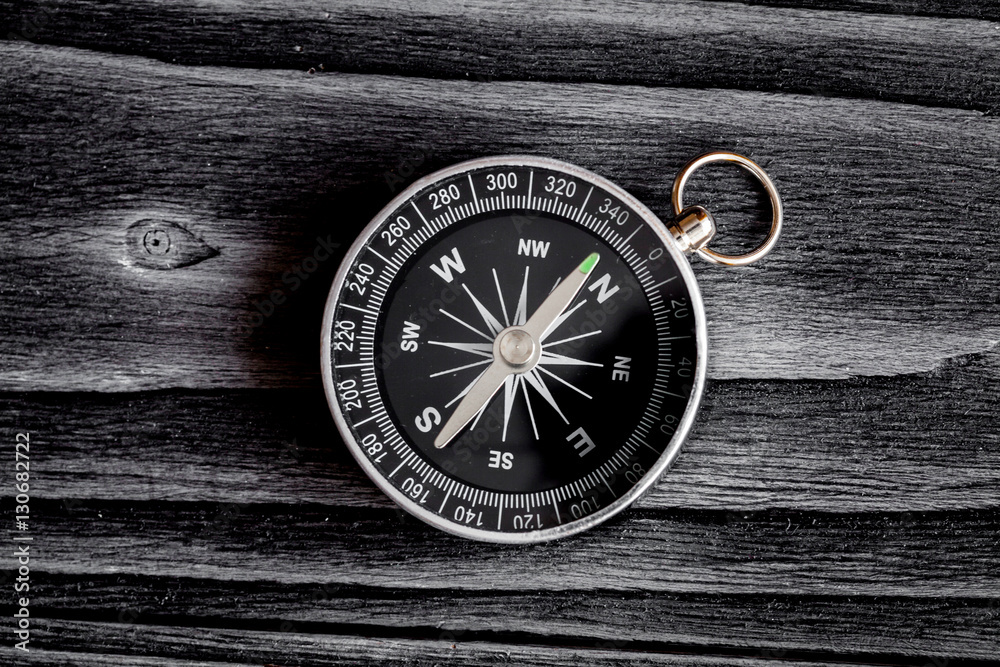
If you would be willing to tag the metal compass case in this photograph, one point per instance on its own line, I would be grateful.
(514, 349)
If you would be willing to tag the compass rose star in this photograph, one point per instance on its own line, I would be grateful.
(514, 383)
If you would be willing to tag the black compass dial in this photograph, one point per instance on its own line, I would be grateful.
(561, 420)
(512, 350)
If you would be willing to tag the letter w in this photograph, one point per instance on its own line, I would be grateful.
(445, 265)
(411, 330)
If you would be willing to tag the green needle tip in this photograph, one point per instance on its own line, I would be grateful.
(589, 263)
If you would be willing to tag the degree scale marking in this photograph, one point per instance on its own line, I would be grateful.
(405, 252)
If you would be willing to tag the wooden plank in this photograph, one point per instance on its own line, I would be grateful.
(707, 624)
(686, 44)
(915, 443)
(81, 659)
(974, 9)
(933, 554)
(304, 163)
(78, 643)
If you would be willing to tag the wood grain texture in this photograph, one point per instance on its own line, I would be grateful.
(278, 527)
(926, 555)
(914, 443)
(966, 9)
(775, 624)
(273, 168)
(680, 43)
(839, 500)
(74, 642)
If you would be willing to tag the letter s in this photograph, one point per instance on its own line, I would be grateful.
(426, 421)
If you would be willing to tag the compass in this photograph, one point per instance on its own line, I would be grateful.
(514, 349)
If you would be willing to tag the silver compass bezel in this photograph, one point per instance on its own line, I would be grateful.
(673, 448)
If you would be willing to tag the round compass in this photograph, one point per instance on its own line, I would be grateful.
(514, 349)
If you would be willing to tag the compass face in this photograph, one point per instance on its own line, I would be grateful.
(513, 349)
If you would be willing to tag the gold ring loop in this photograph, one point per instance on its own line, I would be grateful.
(772, 192)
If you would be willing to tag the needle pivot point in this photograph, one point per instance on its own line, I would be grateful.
(516, 347)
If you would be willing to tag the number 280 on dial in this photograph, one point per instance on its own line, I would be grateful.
(514, 349)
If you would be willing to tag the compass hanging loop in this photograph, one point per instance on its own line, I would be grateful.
(694, 227)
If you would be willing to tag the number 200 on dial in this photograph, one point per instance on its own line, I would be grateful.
(514, 349)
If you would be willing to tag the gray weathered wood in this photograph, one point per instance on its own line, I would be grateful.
(914, 443)
(975, 9)
(274, 167)
(189, 646)
(837, 625)
(838, 500)
(682, 43)
(710, 573)
(935, 554)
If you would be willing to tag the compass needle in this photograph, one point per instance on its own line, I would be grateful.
(475, 399)
(516, 350)
(545, 317)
